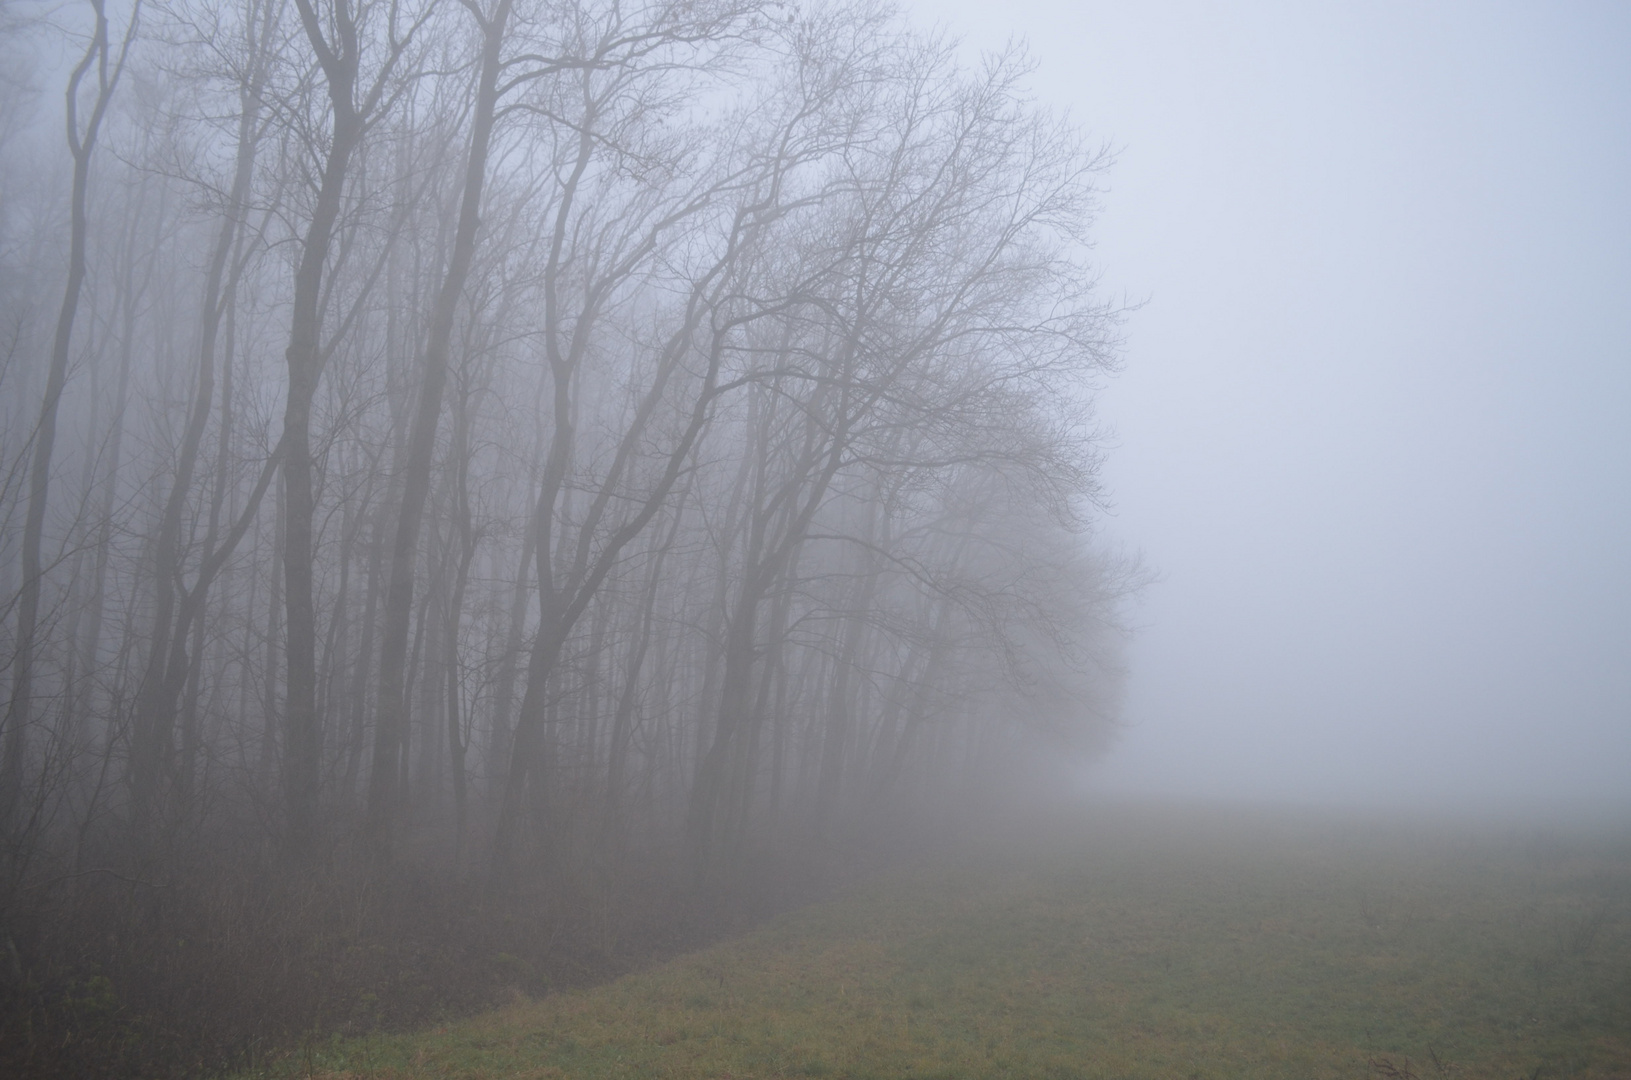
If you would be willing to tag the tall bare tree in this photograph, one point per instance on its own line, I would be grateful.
(108, 65)
(339, 35)
(493, 25)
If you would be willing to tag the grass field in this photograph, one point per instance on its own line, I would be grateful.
(1124, 943)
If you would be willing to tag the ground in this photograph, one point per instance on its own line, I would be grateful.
(1121, 942)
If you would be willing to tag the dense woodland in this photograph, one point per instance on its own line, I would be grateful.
(528, 459)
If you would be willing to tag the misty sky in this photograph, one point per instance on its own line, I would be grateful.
(1374, 427)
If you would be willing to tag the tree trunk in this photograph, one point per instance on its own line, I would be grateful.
(19, 710)
(382, 794)
(155, 706)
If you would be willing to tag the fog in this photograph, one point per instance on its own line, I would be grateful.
(493, 494)
(1373, 429)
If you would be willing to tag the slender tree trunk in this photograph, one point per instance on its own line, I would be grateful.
(515, 630)
(365, 655)
(92, 652)
(382, 795)
(274, 632)
(841, 713)
(155, 705)
(304, 358)
(457, 739)
(617, 750)
(19, 710)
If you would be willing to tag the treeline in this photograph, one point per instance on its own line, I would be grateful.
(540, 442)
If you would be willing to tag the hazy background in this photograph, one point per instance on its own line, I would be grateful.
(1375, 424)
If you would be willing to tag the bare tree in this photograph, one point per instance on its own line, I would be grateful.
(338, 37)
(108, 66)
(168, 665)
(493, 25)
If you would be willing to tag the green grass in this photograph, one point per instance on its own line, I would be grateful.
(1123, 944)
